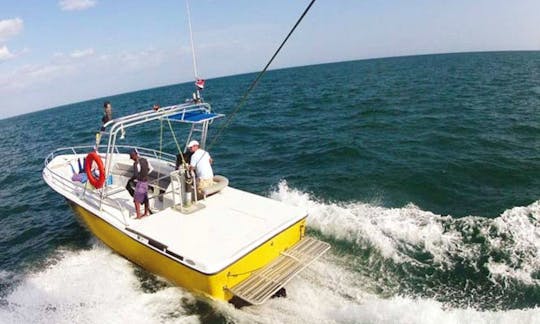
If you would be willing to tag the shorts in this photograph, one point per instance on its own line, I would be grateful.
(141, 192)
(204, 183)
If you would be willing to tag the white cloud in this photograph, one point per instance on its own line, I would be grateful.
(45, 72)
(71, 5)
(5, 54)
(82, 53)
(138, 60)
(10, 28)
(30, 75)
(63, 68)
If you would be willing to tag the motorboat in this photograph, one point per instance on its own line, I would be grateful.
(221, 242)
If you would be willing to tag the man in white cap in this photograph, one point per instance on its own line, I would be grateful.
(201, 163)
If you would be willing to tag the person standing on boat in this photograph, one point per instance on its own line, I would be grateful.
(141, 170)
(107, 116)
(201, 163)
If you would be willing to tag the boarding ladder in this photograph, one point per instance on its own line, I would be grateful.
(265, 282)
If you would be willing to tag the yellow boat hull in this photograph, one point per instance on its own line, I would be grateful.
(214, 285)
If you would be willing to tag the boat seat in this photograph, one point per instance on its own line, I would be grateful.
(126, 170)
(220, 182)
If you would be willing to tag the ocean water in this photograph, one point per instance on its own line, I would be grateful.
(423, 173)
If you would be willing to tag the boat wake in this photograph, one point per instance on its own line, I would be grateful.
(469, 262)
(400, 234)
(92, 286)
(386, 265)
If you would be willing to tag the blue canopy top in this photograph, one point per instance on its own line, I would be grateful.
(194, 116)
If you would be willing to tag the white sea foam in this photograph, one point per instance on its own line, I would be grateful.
(91, 286)
(394, 230)
(522, 225)
(97, 286)
(385, 228)
(6, 276)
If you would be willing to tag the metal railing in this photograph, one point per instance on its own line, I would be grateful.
(104, 195)
(117, 126)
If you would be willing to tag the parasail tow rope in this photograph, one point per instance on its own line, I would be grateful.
(254, 83)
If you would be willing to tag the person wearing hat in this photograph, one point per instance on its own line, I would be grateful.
(141, 170)
(201, 163)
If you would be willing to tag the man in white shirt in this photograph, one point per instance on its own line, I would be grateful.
(201, 163)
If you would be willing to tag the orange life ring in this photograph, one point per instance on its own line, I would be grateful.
(90, 158)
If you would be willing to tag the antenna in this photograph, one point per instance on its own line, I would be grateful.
(191, 39)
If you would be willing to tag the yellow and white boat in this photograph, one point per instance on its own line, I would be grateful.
(224, 244)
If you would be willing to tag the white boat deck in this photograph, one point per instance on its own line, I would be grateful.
(233, 223)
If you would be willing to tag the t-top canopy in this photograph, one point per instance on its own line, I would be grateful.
(194, 116)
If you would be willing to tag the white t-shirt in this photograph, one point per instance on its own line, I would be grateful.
(201, 161)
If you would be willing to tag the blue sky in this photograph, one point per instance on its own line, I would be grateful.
(58, 52)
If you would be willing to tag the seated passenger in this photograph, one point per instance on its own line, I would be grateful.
(201, 163)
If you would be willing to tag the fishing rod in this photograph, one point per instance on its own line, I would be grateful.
(254, 83)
